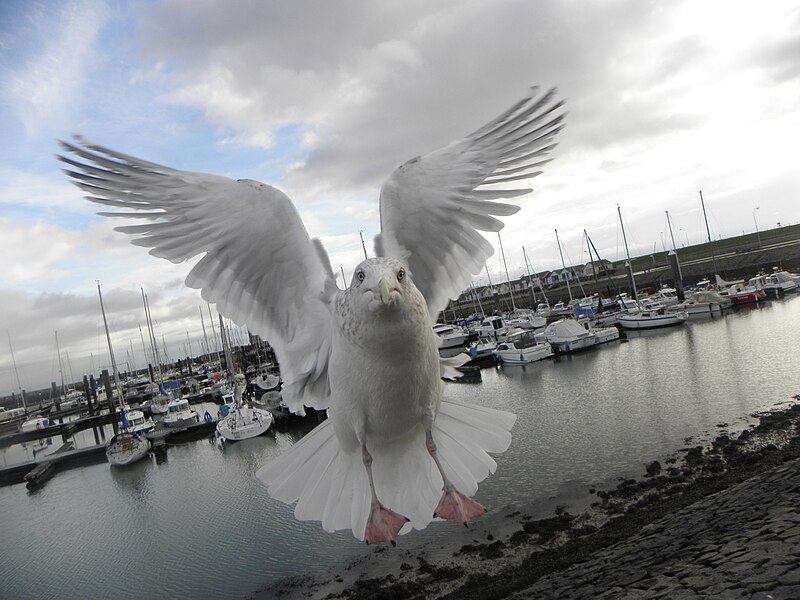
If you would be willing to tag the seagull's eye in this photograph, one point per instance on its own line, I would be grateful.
(401, 274)
(360, 275)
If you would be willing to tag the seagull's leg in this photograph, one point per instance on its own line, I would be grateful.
(383, 524)
(453, 505)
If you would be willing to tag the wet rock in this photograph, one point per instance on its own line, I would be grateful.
(653, 469)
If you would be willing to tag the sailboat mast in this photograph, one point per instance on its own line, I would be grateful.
(708, 233)
(563, 265)
(671, 235)
(110, 351)
(225, 346)
(530, 277)
(16, 373)
(60, 365)
(153, 348)
(628, 254)
(508, 278)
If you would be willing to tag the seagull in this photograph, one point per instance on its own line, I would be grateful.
(393, 454)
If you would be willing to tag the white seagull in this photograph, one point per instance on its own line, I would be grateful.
(393, 455)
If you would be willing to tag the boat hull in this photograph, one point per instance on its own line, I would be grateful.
(126, 448)
(244, 423)
(524, 356)
(634, 322)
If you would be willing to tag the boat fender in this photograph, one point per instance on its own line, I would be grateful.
(208, 418)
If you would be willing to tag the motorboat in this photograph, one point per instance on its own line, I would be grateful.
(566, 335)
(702, 303)
(524, 320)
(138, 422)
(666, 296)
(492, 327)
(9, 414)
(744, 294)
(562, 309)
(601, 334)
(34, 423)
(126, 448)
(180, 414)
(449, 336)
(522, 348)
(651, 318)
(772, 284)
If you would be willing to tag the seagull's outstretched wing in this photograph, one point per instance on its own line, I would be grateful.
(259, 267)
(433, 206)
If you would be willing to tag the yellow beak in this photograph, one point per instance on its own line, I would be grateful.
(386, 291)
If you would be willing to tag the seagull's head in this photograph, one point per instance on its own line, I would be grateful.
(382, 284)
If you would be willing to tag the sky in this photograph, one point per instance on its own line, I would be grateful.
(325, 99)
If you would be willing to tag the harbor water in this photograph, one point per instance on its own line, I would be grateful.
(195, 523)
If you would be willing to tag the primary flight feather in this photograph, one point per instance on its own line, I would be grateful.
(393, 455)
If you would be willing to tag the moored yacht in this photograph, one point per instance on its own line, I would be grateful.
(522, 348)
(566, 335)
(180, 414)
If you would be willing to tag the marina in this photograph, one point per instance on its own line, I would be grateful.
(195, 517)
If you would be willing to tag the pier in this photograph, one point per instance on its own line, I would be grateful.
(39, 470)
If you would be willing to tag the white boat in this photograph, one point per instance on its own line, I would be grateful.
(522, 348)
(561, 309)
(666, 296)
(651, 318)
(180, 414)
(138, 422)
(772, 284)
(786, 276)
(126, 448)
(492, 327)
(601, 334)
(523, 320)
(244, 422)
(34, 423)
(703, 302)
(267, 382)
(10, 414)
(449, 336)
(566, 335)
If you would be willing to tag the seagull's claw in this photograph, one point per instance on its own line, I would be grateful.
(455, 506)
(383, 525)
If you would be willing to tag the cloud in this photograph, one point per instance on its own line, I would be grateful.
(43, 88)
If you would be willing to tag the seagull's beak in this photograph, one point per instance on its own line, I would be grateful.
(386, 292)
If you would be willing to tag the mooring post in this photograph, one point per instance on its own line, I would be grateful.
(87, 393)
(93, 392)
(110, 395)
(675, 266)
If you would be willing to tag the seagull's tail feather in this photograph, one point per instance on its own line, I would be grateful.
(331, 485)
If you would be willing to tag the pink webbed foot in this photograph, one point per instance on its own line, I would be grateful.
(383, 525)
(455, 506)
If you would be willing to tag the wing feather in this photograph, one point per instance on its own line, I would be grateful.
(258, 264)
(432, 207)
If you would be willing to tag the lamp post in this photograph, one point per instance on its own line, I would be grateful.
(758, 235)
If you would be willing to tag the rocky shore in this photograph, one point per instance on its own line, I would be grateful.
(718, 520)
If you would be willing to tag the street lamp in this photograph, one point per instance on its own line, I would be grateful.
(758, 235)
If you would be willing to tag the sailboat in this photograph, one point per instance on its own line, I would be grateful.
(243, 421)
(645, 318)
(126, 446)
